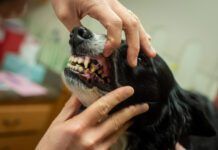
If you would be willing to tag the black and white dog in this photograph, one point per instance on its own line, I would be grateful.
(175, 115)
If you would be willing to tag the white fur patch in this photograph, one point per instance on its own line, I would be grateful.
(86, 95)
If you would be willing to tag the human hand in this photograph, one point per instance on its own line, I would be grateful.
(114, 17)
(179, 147)
(91, 129)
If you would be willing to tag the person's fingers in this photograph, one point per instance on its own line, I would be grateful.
(70, 109)
(66, 14)
(129, 19)
(145, 42)
(114, 33)
(118, 119)
(111, 21)
(99, 109)
(131, 29)
(179, 147)
(133, 47)
(111, 140)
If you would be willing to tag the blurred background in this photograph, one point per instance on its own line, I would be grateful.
(34, 50)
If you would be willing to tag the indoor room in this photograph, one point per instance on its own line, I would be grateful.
(37, 45)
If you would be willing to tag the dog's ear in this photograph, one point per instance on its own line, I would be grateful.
(195, 111)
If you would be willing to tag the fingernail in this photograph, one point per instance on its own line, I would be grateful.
(129, 91)
(145, 107)
(134, 62)
(107, 50)
(153, 51)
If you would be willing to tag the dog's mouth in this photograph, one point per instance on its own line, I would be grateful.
(91, 70)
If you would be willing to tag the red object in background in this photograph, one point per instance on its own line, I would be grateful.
(12, 41)
(2, 38)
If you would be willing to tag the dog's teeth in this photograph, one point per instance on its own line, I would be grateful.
(80, 69)
(93, 68)
(72, 58)
(80, 60)
(69, 65)
(77, 67)
(86, 62)
(75, 59)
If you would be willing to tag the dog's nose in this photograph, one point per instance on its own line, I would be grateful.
(79, 35)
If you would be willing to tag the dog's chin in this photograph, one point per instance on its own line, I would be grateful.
(88, 77)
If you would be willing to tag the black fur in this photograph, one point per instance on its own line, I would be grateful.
(175, 114)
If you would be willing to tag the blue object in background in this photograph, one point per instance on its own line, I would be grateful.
(15, 64)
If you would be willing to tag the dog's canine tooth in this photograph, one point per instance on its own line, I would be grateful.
(86, 62)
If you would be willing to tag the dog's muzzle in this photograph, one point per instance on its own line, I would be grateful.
(87, 61)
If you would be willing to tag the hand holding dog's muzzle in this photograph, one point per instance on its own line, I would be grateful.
(84, 131)
(114, 17)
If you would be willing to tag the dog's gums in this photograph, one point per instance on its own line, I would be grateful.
(90, 69)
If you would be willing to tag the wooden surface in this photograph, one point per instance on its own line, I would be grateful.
(23, 123)
(20, 142)
(24, 118)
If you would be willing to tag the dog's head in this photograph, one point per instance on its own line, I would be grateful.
(90, 75)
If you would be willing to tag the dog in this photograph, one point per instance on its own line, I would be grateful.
(175, 114)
